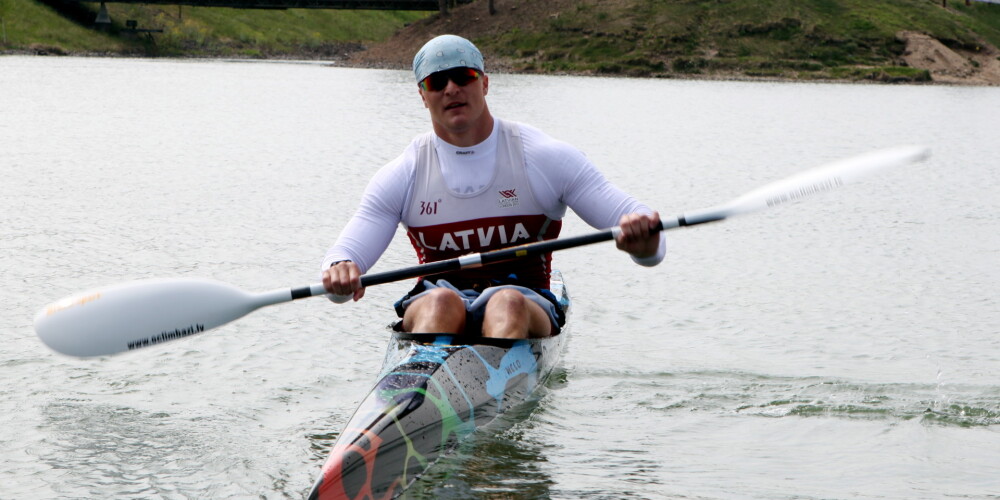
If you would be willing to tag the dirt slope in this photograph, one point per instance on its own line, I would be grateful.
(980, 67)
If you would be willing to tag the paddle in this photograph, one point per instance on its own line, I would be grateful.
(139, 314)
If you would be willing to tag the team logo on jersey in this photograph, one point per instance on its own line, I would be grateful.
(508, 198)
(429, 207)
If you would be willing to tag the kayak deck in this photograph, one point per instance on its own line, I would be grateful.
(434, 391)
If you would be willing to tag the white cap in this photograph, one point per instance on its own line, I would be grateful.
(446, 52)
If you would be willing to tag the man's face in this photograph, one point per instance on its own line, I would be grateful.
(456, 108)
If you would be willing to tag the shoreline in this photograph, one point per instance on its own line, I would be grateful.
(500, 67)
(360, 58)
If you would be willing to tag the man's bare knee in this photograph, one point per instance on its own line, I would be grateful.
(443, 298)
(508, 300)
(512, 315)
(439, 311)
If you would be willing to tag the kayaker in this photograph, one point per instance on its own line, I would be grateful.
(473, 184)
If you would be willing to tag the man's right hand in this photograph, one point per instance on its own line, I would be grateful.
(343, 279)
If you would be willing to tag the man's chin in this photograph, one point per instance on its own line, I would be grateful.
(457, 121)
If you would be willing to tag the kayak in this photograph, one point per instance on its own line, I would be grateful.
(434, 391)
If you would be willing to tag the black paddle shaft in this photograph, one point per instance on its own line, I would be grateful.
(486, 258)
(503, 255)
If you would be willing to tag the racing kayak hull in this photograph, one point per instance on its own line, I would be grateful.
(434, 391)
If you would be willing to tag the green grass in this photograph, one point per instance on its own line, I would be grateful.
(30, 25)
(982, 18)
(257, 33)
(779, 38)
(809, 39)
(201, 31)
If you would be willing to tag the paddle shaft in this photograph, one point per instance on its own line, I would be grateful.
(517, 252)
(503, 255)
(506, 254)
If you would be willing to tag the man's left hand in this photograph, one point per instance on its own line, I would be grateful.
(637, 235)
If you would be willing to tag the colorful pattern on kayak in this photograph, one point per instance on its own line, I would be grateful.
(430, 396)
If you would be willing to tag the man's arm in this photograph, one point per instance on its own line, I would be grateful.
(369, 231)
(562, 176)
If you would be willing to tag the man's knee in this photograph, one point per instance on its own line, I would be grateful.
(510, 314)
(442, 299)
(439, 310)
(509, 301)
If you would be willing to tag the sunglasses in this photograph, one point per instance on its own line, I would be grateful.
(461, 76)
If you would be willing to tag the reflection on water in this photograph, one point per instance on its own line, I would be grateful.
(502, 462)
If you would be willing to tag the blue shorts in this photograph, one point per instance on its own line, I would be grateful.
(475, 302)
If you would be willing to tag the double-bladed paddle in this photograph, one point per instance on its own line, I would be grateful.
(139, 314)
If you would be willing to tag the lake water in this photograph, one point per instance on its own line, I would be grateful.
(847, 346)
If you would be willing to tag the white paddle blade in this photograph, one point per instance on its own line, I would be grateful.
(825, 178)
(134, 315)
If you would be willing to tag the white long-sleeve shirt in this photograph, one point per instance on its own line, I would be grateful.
(560, 176)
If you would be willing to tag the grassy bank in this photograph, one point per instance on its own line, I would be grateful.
(30, 25)
(56, 26)
(781, 38)
(796, 39)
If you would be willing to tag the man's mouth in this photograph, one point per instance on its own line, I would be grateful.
(454, 105)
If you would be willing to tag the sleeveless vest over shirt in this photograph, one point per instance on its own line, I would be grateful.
(442, 224)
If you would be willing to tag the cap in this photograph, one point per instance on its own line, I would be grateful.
(446, 52)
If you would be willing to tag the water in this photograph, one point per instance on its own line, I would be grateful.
(841, 347)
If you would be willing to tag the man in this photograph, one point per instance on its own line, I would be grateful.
(477, 183)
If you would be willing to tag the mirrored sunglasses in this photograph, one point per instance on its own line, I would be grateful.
(461, 76)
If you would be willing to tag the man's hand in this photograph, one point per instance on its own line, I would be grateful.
(343, 279)
(637, 236)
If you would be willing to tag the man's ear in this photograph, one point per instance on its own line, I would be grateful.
(486, 84)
